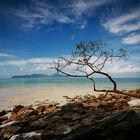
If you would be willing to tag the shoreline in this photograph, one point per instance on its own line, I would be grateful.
(79, 118)
(27, 91)
(26, 96)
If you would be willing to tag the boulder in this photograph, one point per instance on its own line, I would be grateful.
(23, 113)
(41, 109)
(10, 131)
(27, 136)
(72, 107)
(94, 104)
(3, 118)
(3, 112)
(17, 108)
(71, 116)
(38, 124)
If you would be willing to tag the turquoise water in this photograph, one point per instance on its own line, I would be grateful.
(122, 83)
(24, 90)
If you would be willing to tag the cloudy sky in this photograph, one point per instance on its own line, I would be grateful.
(35, 32)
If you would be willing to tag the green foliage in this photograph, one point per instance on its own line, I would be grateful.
(96, 48)
(85, 49)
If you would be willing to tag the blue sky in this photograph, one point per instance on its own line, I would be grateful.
(34, 32)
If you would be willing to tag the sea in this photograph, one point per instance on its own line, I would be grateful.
(25, 89)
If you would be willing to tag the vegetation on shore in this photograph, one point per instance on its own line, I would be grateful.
(87, 60)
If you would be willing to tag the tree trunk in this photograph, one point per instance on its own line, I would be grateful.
(110, 78)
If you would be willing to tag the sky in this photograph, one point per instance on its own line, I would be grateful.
(33, 33)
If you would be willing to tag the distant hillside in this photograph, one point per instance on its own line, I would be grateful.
(37, 76)
(30, 76)
(57, 75)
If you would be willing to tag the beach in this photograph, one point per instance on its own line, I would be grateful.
(32, 95)
(68, 108)
(32, 91)
(102, 117)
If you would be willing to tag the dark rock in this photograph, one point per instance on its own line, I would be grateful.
(112, 128)
(71, 116)
(73, 107)
(102, 118)
(3, 112)
(38, 124)
(27, 136)
(41, 109)
(10, 131)
(3, 118)
(17, 108)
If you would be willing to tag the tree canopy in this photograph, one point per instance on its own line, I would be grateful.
(88, 59)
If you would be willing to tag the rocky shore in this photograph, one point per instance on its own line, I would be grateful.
(109, 116)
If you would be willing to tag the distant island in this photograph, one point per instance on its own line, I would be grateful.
(38, 76)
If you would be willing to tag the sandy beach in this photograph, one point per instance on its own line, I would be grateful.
(34, 95)
(32, 91)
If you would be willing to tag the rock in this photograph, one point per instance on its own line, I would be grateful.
(3, 118)
(85, 117)
(71, 116)
(38, 124)
(134, 102)
(27, 136)
(68, 130)
(123, 124)
(135, 93)
(10, 131)
(72, 107)
(22, 113)
(7, 124)
(41, 109)
(3, 112)
(94, 104)
(101, 96)
(1, 134)
(13, 116)
(67, 97)
(17, 108)
(28, 120)
(51, 110)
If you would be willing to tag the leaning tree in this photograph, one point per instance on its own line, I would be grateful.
(87, 60)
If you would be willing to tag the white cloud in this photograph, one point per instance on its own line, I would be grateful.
(43, 64)
(42, 60)
(13, 63)
(43, 13)
(80, 7)
(6, 55)
(124, 24)
(131, 39)
(123, 69)
(42, 67)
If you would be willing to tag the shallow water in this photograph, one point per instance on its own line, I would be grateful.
(28, 90)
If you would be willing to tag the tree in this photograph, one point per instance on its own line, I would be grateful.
(87, 60)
